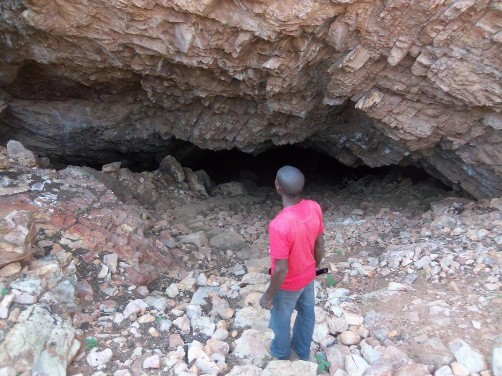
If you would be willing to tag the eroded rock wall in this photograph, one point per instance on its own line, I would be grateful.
(369, 82)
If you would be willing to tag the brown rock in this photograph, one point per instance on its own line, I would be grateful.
(175, 340)
(379, 370)
(4, 162)
(10, 269)
(412, 370)
(349, 338)
(17, 234)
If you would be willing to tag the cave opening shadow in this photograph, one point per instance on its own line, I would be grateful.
(318, 168)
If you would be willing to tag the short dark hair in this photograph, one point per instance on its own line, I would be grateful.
(291, 180)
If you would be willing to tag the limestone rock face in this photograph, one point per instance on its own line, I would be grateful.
(367, 82)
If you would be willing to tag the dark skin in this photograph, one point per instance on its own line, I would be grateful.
(282, 265)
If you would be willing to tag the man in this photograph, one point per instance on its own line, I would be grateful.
(296, 250)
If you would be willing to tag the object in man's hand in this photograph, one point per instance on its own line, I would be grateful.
(317, 272)
(321, 271)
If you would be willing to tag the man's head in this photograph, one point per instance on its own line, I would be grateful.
(289, 181)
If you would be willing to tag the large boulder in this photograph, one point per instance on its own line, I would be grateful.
(41, 343)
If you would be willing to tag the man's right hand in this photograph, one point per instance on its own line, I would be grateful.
(276, 281)
(266, 302)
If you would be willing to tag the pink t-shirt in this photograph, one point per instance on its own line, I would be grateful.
(293, 233)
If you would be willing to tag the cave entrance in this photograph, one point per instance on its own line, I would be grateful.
(319, 168)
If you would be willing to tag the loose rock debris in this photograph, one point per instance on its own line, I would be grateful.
(119, 273)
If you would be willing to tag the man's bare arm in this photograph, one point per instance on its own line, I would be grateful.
(276, 281)
(319, 250)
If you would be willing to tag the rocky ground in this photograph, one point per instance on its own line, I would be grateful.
(119, 273)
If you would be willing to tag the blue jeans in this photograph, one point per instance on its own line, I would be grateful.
(284, 303)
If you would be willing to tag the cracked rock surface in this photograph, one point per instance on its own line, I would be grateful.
(368, 82)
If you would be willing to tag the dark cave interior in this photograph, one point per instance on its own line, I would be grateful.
(234, 165)
(230, 165)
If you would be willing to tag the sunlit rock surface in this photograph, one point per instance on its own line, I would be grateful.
(372, 83)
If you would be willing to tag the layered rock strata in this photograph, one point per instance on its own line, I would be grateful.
(369, 82)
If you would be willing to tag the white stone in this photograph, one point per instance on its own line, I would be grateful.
(134, 306)
(337, 325)
(135, 332)
(353, 319)
(220, 334)
(193, 310)
(255, 278)
(152, 362)
(201, 280)
(165, 325)
(153, 332)
(247, 370)
(9, 371)
(288, 368)
(29, 285)
(200, 296)
(122, 372)
(370, 354)
(187, 283)
(444, 371)
(138, 351)
(476, 324)
(118, 318)
(174, 357)
(25, 299)
(202, 360)
(497, 357)
(203, 325)
(215, 346)
(465, 355)
(157, 302)
(355, 365)
(104, 271)
(321, 331)
(97, 358)
(183, 323)
(337, 310)
(172, 291)
(252, 346)
(111, 260)
(394, 286)
(340, 372)
(423, 262)
(255, 317)
(39, 331)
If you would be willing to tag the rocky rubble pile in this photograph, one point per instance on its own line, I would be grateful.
(413, 288)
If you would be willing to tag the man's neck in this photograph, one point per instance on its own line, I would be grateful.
(290, 201)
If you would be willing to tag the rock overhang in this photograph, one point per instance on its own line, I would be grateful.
(363, 82)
